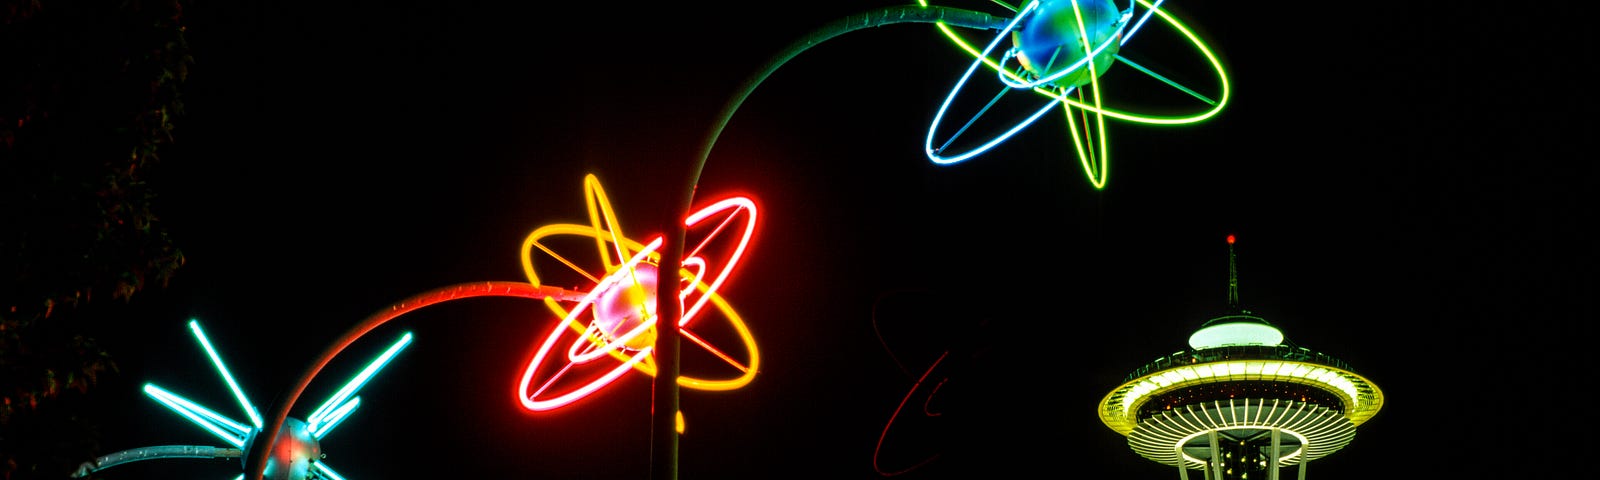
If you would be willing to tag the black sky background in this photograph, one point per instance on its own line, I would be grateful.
(1406, 185)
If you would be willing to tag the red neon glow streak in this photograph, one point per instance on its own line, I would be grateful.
(878, 449)
(627, 264)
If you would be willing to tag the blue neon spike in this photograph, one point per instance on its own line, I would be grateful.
(255, 417)
(334, 417)
(356, 383)
(325, 472)
(228, 430)
(237, 434)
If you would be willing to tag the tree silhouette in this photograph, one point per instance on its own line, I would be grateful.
(88, 94)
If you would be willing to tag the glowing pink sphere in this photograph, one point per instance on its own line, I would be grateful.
(629, 305)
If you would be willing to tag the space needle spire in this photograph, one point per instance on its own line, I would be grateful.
(1233, 278)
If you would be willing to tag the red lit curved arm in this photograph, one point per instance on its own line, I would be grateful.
(915, 387)
(280, 411)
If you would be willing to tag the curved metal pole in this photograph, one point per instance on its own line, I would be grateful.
(280, 410)
(152, 453)
(664, 406)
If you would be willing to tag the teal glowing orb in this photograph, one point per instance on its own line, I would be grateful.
(1052, 40)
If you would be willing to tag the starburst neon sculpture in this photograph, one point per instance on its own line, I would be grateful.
(296, 449)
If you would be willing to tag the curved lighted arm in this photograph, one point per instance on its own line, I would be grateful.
(672, 256)
(664, 430)
(280, 410)
(153, 453)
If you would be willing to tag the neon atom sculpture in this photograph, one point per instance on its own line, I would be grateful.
(1063, 50)
(296, 452)
(612, 329)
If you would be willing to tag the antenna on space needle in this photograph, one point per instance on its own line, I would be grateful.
(1233, 278)
(1238, 403)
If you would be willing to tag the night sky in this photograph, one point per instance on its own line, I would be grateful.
(1403, 183)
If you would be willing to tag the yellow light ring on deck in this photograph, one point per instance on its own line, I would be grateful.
(1316, 431)
(1119, 409)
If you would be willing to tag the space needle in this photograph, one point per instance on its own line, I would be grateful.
(1240, 403)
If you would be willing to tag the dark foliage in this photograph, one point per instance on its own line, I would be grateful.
(89, 92)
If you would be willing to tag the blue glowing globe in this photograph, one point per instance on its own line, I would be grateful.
(1050, 42)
